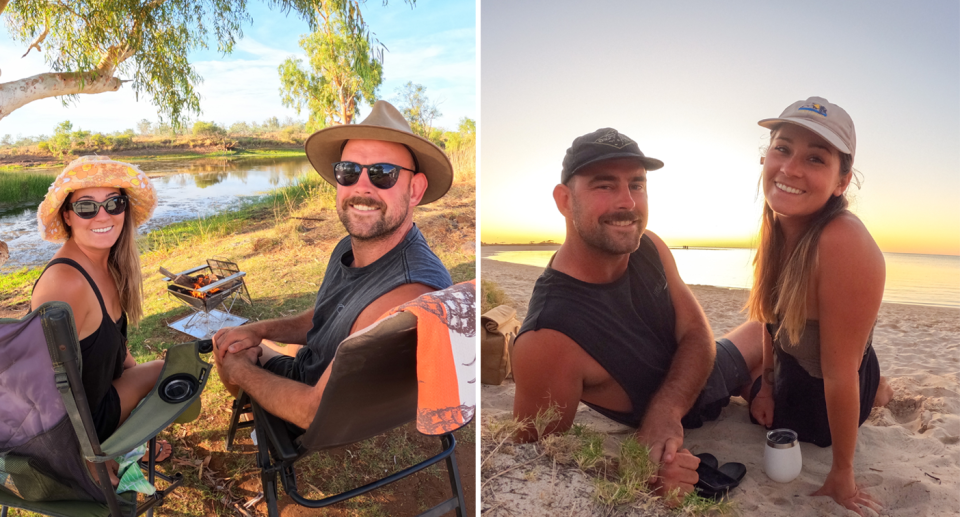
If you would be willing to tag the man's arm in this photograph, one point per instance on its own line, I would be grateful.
(272, 391)
(291, 331)
(290, 400)
(547, 372)
(689, 370)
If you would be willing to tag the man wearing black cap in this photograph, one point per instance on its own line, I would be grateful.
(610, 323)
(381, 171)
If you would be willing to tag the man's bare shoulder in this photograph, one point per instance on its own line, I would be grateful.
(546, 345)
(553, 353)
(397, 296)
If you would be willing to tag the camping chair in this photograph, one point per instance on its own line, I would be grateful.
(381, 379)
(46, 429)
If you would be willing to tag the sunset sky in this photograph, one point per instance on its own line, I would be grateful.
(689, 81)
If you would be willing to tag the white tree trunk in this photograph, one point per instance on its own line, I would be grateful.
(16, 94)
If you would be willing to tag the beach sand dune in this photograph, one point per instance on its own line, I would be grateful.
(908, 454)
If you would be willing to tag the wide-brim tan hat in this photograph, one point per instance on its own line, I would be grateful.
(384, 123)
(95, 171)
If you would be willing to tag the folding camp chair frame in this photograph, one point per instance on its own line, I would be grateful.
(60, 331)
(372, 388)
(277, 453)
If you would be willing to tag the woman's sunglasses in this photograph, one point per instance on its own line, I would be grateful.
(382, 175)
(88, 209)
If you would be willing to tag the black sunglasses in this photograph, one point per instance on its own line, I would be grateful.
(87, 209)
(382, 175)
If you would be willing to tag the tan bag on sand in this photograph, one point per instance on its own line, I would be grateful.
(500, 327)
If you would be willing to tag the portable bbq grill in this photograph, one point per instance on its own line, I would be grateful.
(217, 285)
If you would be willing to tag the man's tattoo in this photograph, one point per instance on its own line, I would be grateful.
(768, 376)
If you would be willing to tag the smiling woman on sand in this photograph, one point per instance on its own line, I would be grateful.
(818, 284)
(94, 207)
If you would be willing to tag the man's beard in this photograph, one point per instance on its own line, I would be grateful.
(380, 229)
(597, 235)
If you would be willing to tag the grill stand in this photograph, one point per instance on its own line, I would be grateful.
(207, 319)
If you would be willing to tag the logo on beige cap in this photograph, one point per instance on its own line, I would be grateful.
(819, 109)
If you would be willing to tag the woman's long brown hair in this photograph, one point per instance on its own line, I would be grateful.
(780, 282)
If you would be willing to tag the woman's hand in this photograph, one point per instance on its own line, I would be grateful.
(129, 361)
(761, 407)
(843, 489)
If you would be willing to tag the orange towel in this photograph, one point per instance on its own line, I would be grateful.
(446, 357)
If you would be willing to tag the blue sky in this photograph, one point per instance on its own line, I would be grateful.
(432, 44)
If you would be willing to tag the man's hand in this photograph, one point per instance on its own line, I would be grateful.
(235, 339)
(663, 434)
(680, 474)
(231, 363)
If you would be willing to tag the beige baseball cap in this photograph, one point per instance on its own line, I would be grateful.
(827, 120)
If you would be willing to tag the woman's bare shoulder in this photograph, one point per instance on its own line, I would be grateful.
(62, 283)
(845, 238)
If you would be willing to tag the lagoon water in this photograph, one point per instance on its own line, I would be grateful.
(911, 278)
(185, 190)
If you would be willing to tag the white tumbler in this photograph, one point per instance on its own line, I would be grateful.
(781, 458)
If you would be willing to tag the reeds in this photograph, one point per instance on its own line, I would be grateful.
(21, 187)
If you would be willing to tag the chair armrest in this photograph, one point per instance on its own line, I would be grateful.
(153, 414)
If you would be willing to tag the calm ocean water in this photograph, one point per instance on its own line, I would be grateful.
(913, 279)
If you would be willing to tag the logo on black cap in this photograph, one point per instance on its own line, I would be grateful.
(614, 139)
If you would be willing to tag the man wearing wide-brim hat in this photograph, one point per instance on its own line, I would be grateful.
(381, 171)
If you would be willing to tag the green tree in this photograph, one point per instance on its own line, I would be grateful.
(59, 143)
(461, 148)
(90, 44)
(419, 110)
(201, 128)
(341, 71)
(144, 127)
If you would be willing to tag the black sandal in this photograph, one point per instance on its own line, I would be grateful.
(715, 482)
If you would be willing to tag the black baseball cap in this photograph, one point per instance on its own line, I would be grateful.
(603, 144)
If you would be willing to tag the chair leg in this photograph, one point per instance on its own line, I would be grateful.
(151, 466)
(239, 404)
(454, 474)
(268, 477)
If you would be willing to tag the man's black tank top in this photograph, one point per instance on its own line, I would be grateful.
(627, 325)
(101, 353)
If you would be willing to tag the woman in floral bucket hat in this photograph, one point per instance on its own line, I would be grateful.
(94, 207)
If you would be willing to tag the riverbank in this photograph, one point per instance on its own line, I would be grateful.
(187, 149)
(906, 453)
(283, 242)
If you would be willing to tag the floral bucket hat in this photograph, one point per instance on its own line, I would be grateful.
(95, 171)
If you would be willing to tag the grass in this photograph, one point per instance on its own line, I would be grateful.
(492, 296)
(20, 187)
(15, 287)
(618, 482)
(283, 241)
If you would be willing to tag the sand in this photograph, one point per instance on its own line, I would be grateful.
(907, 457)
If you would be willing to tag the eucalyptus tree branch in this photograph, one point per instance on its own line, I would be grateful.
(36, 43)
(15, 94)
